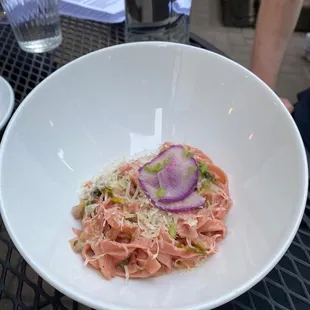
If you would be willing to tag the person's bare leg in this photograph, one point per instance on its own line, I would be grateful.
(275, 25)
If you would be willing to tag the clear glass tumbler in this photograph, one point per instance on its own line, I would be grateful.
(35, 23)
(157, 20)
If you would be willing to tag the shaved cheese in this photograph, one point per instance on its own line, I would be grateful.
(90, 208)
(126, 272)
(116, 210)
(135, 194)
(208, 187)
(151, 220)
(128, 190)
(157, 252)
(93, 258)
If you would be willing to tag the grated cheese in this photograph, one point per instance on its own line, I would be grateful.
(150, 220)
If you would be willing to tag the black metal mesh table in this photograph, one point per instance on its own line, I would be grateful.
(287, 286)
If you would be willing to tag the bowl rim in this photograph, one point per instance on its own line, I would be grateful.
(9, 111)
(202, 306)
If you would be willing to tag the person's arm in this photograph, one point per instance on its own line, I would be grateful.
(275, 25)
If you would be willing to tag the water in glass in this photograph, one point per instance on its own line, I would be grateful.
(35, 23)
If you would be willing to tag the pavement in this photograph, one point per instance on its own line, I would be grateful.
(206, 21)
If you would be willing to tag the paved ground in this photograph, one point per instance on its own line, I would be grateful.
(237, 43)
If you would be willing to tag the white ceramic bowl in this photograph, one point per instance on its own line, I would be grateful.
(129, 98)
(6, 101)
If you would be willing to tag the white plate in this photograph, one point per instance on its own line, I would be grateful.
(121, 101)
(6, 101)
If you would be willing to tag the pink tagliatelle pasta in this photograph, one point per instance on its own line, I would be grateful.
(126, 234)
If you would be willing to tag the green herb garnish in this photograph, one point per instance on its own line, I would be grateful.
(191, 169)
(154, 169)
(161, 192)
(117, 200)
(172, 231)
(187, 153)
(108, 190)
(203, 169)
(199, 248)
(196, 248)
(208, 176)
(180, 245)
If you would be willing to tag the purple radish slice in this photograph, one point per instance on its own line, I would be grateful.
(178, 178)
(173, 171)
(171, 176)
(191, 202)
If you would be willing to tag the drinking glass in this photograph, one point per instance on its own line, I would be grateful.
(157, 20)
(35, 23)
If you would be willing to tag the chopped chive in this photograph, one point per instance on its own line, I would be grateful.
(187, 153)
(154, 169)
(203, 169)
(161, 192)
(158, 167)
(148, 168)
(200, 248)
(117, 200)
(196, 248)
(108, 190)
(172, 231)
(191, 169)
